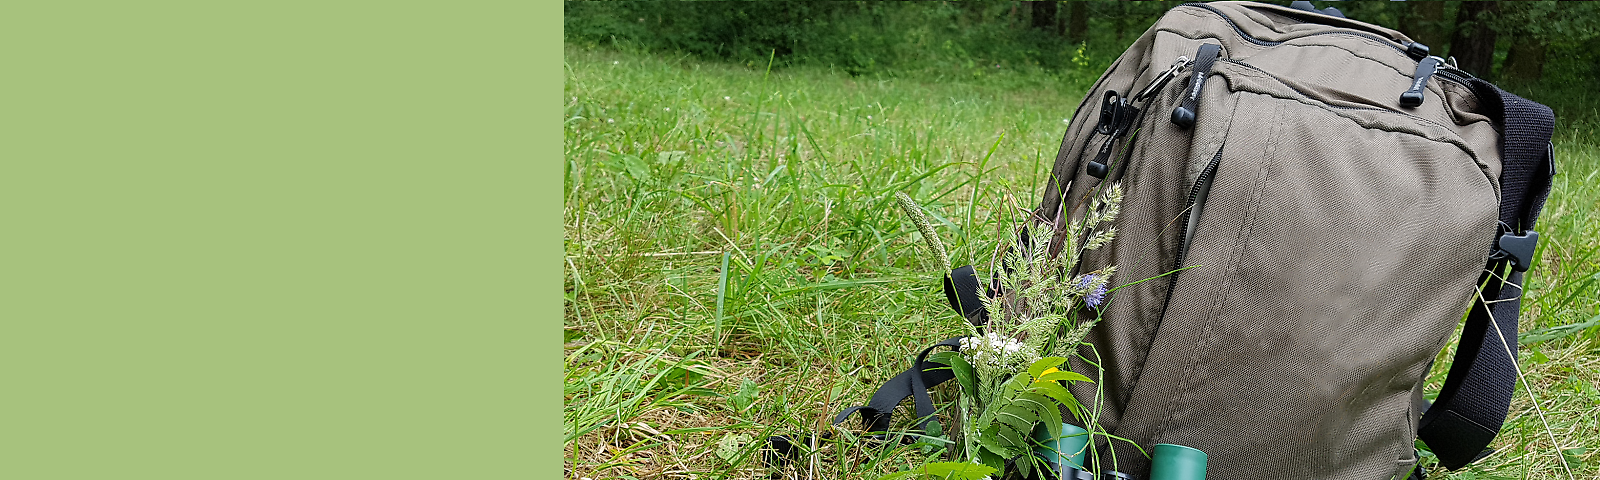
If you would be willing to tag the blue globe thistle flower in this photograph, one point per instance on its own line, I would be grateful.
(1093, 299)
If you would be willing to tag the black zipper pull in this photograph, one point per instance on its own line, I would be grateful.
(1113, 112)
(1419, 82)
(1204, 59)
(1416, 51)
(1116, 118)
(1098, 168)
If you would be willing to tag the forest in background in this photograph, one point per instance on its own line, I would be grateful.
(1543, 50)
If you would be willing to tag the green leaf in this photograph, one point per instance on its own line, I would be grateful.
(1041, 406)
(1553, 333)
(669, 157)
(956, 470)
(1017, 383)
(1001, 440)
(1060, 394)
(1022, 423)
(1034, 403)
(731, 445)
(900, 475)
(991, 459)
(964, 375)
(1060, 376)
(943, 358)
(636, 167)
(746, 397)
(1043, 364)
(1056, 392)
(1011, 436)
(1574, 456)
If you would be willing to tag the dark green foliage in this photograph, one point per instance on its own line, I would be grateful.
(947, 38)
(1543, 50)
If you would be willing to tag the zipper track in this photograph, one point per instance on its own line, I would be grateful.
(1386, 41)
(1462, 78)
(1330, 105)
(1190, 220)
(1202, 183)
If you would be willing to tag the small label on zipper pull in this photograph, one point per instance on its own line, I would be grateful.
(1419, 82)
(1204, 59)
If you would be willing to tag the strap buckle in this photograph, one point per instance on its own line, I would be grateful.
(1516, 247)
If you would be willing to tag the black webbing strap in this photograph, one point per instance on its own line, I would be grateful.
(961, 289)
(1476, 396)
(914, 382)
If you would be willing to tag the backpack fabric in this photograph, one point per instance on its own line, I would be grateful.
(1312, 204)
(1336, 231)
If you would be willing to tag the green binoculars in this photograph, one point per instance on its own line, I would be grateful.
(1066, 456)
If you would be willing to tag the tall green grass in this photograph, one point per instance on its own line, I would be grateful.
(736, 265)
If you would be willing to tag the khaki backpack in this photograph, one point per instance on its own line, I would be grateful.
(1341, 198)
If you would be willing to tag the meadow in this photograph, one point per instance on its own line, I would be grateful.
(736, 266)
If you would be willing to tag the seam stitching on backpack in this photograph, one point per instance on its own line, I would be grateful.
(1187, 374)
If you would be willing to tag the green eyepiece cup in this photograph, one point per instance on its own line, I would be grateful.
(1177, 462)
(1069, 447)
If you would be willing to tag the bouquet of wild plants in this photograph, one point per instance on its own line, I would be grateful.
(1011, 387)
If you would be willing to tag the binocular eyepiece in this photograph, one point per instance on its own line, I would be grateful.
(1065, 454)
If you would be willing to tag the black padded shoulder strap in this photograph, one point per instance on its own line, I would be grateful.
(1476, 396)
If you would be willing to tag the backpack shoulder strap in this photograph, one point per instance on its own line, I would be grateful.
(961, 289)
(914, 382)
(1476, 396)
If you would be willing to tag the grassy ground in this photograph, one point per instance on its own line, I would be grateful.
(736, 267)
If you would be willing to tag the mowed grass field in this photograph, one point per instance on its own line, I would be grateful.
(736, 266)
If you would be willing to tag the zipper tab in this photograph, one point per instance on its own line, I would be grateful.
(1419, 82)
(1204, 59)
(1099, 167)
(1117, 115)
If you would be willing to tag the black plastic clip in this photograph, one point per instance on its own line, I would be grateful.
(1518, 247)
(1110, 113)
(1116, 117)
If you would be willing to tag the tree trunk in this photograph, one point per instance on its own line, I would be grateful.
(1077, 21)
(1473, 45)
(1044, 15)
(1525, 62)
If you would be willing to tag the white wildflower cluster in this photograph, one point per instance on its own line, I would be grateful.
(998, 352)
